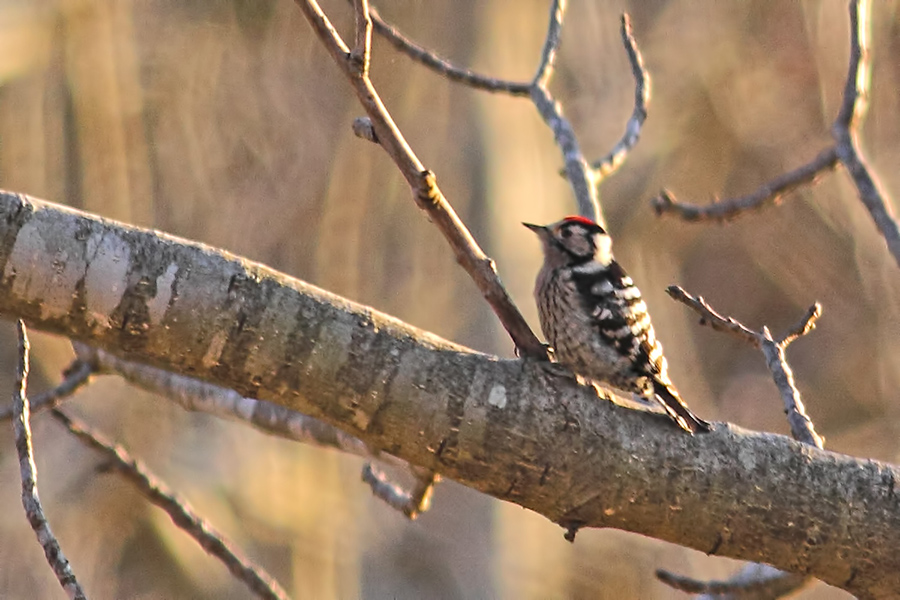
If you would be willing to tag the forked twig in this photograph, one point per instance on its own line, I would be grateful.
(801, 425)
(846, 151)
(76, 375)
(756, 580)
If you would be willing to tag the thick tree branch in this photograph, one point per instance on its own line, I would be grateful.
(507, 428)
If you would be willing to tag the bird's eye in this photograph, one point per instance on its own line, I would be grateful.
(566, 233)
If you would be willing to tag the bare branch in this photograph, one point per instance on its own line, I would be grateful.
(442, 65)
(255, 578)
(755, 582)
(579, 174)
(802, 427)
(361, 55)
(31, 501)
(710, 317)
(846, 128)
(846, 151)
(75, 376)
(582, 177)
(855, 102)
(768, 194)
(806, 324)
(412, 503)
(551, 45)
(426, 192)
(619, 153)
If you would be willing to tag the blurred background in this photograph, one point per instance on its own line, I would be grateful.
(224, 121)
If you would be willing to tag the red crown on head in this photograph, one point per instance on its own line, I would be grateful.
(580, 219)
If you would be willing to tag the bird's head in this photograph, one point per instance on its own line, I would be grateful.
(572, 241)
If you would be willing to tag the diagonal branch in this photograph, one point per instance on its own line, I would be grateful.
(425, 189)
(254, 577)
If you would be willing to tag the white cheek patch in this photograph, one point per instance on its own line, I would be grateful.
(603, 254)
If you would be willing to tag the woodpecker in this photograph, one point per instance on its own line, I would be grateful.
(595, 320)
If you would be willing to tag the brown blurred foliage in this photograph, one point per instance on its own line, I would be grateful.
(223, 121)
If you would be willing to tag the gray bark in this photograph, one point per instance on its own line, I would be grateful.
(507, 428)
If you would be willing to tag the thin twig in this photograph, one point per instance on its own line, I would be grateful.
(360, 56)
(551, 45)
(755, 582)
(801, 425)
(75, 376)
(710, 317)
(426, 193)
(580, 175)
(254, 577)
(442, 65)
(806, 324)
(619, 153)
(769, 193)
(846, 128)
(412, 503)
(34, 510)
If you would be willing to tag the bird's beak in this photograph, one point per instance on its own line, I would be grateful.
(538, 229)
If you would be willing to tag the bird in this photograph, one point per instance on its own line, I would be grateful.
(595, 319)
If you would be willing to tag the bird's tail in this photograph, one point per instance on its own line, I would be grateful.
(678, 410)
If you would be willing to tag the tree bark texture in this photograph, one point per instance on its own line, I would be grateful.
(508, 428)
